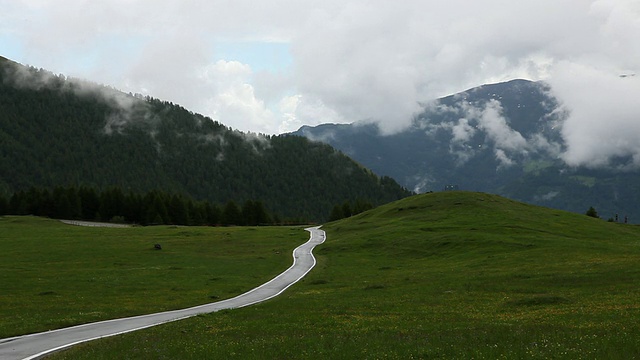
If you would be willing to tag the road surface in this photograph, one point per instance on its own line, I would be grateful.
(34, 346)
(94, 224)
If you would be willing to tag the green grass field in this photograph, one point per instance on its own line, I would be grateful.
(54, 275)
(436, 276)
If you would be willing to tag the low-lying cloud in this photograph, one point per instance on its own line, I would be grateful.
(352, 60)
(603, 126)
(498, 136)
(124, 106)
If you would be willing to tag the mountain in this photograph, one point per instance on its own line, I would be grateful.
(57, 131)
(500, 138)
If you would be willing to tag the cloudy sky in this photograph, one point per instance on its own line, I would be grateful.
(271, 66)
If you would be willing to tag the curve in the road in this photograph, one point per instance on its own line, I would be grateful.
(34, 346)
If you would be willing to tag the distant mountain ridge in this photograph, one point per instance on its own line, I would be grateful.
(499, 138)
(58, 132)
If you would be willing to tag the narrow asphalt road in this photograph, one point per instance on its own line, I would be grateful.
(34, 346)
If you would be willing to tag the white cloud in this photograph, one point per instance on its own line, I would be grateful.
(604, 121)
(489, 121)
(351, 60)
(379, 61)
(495, 125)
(288, 108)
(239, 104)
(232, 99)
(462, 131)
(503, 158)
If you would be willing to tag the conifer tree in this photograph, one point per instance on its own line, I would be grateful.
(592, 212)
(4, 205)
(178, 211)
(231, 215)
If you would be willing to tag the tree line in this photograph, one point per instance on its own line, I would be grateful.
(348, 209)
(155, 207)
(60, 133)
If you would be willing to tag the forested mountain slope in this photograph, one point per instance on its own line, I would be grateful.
(500, 138)
(56, 131)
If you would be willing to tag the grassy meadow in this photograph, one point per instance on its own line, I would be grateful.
(453, 275)
(54, 275)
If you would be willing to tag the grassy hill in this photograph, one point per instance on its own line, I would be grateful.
(446, 275)
(54, 275)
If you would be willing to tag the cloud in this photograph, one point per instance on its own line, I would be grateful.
(124, 106)
(381, 62)
(351, 60)
(232, 98)
(546, 197)
(502, 157)
(604, 116)
(36, 79)
(598, 90)
(462, 131)
(308, 110)
(492, 121)
(484, 127)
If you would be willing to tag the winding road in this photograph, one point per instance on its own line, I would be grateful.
(34, 346)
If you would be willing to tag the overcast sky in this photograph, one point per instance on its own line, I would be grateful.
(271, 66)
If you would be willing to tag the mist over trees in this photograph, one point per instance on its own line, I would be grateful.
(60, 133)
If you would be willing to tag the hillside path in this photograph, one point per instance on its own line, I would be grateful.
(34, 346)
(94, 224)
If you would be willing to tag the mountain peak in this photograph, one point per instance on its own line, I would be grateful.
(503, 138)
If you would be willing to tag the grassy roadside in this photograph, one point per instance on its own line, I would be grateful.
(444, 276)
(54, 275)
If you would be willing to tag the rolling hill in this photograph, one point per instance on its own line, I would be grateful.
(58, 131)
(500, 138)
(442, 275)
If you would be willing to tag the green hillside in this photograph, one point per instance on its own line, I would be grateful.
(452, 275)
(56, 131)
(54, 275)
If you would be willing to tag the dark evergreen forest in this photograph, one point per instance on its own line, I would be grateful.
(57, 132)
(153, 208)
